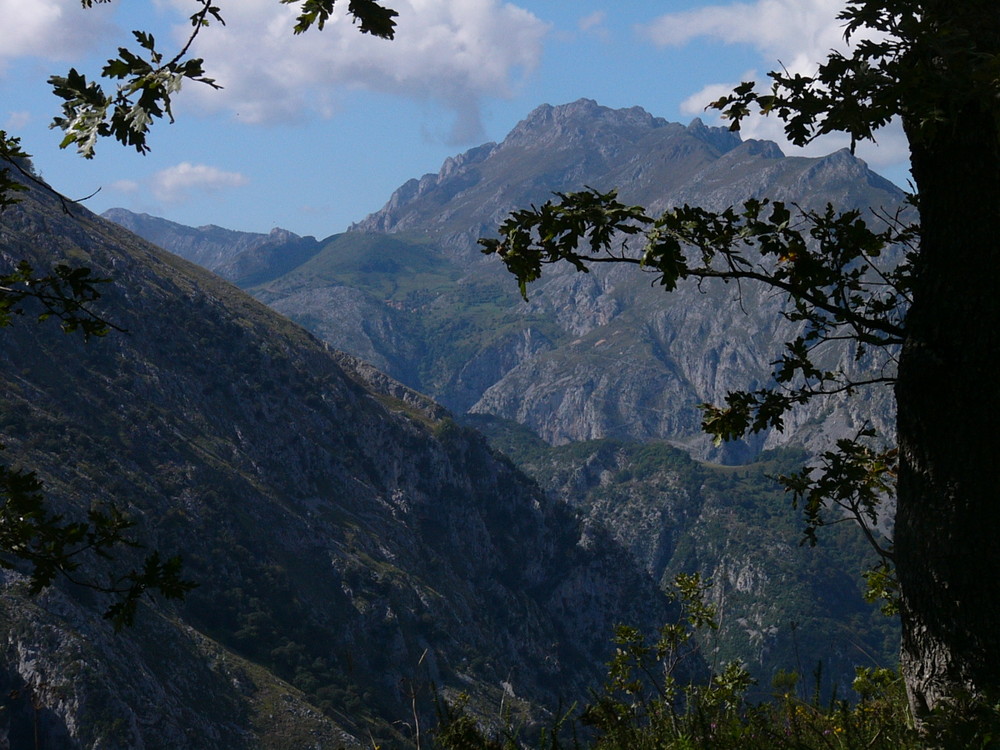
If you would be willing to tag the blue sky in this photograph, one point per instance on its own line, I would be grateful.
(313, 132)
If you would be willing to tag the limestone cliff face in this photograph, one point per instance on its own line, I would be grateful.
(353, 544)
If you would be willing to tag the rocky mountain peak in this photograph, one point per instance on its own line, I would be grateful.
(763, 149)
(567, 124)
(553, 148)
(722, 139)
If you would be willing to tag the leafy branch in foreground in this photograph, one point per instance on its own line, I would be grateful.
(12, 156)
(146, 81)
(646, 704)
(371, 17)
(842, 280)
(65, 294)
(50, 547)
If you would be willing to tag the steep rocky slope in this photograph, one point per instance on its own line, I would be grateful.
(781, 605)
(353, 545)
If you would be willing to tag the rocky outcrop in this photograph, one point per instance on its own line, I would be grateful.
(781, 605)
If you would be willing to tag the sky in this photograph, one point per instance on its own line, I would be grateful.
(313, 132)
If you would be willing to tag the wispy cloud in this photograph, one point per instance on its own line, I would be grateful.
(593, 22)
(17, 120)
(796, 33)
(181, 182)
(129, 187)
(454, 52)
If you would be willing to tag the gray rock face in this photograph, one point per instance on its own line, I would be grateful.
(779, 604)
(554, 148)
(623, 359)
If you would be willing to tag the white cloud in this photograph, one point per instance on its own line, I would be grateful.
(52, 29)
(454, 52)
(129, 187)
(592, 22)
(891, 149)
(178, 183)
(797, 34)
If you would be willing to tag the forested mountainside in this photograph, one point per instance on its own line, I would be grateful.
(352, 544)
(598, 355)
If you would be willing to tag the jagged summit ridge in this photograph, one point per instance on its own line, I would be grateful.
(562, 125)
(553, 148)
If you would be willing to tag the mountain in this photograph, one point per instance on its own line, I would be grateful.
(240, 257)
(358, 552)
(647, 159)
(598, 355)
(596, 366)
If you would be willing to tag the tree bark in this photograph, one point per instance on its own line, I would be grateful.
(947, 535)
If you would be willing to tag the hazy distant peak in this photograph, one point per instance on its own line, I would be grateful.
(722, 139)
(236, 256)
(763, 149)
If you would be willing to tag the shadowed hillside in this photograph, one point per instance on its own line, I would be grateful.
(353, 545)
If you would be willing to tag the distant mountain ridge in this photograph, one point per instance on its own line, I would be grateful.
(240, 257)
(553, 148)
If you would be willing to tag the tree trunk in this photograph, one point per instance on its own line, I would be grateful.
(947, 533)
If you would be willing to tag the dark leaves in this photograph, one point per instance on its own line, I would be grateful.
(370, 17)
(11, 155)
(46, 546)
(827, 264)
(66, 294)
(147, 81)
(856, 478)
(144, 95)
(534, 237)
